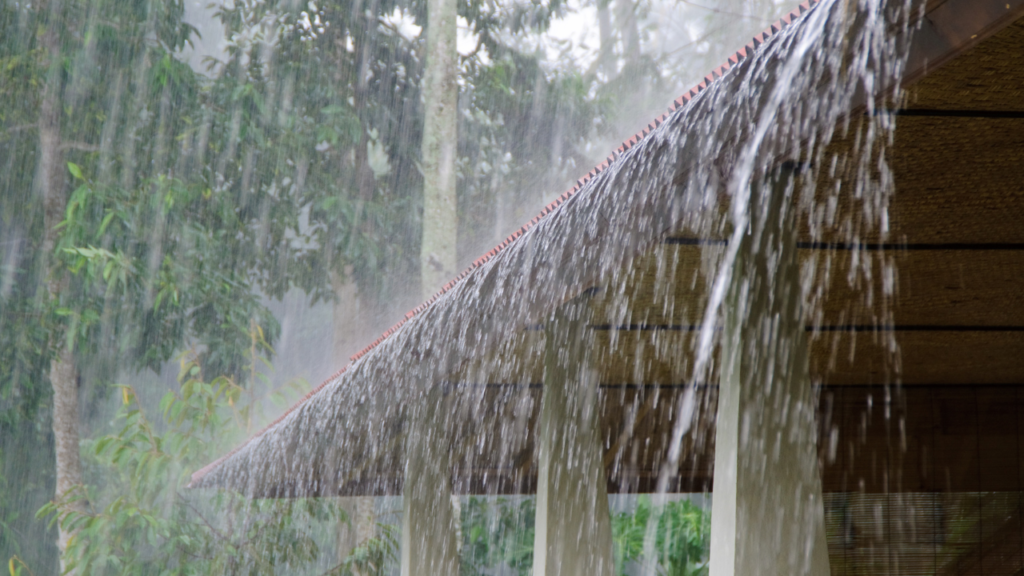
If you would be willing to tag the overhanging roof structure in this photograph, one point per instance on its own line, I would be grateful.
(956, 240)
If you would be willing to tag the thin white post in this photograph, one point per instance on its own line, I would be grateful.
(429, 524)
(573, 533)
(767, 511)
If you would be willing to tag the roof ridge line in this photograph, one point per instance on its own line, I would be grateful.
(737, 57)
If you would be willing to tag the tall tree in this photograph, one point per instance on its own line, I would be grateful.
(438, 256)
(120, 273)
(50, 181)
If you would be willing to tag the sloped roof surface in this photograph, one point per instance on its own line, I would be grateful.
(678, 103)
(740, 55)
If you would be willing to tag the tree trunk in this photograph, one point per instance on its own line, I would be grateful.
(347, 539)
(50, 179)
(605, 63)
(352, 321)
(353, 313)
(440, 96)
(361, 525)
(626, 19)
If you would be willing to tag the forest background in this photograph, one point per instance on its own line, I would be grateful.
(185, 189)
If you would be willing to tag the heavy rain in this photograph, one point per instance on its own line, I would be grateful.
(511, 287)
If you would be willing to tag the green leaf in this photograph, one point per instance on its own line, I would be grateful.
(75, 170)
(106, 222)
(102, 444)
(166, 402)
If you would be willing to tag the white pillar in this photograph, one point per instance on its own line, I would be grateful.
(429, 524)
(767, 510)
(573, 534)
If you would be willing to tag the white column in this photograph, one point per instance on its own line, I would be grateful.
(573, 533)
(767, 511)
(429, 524)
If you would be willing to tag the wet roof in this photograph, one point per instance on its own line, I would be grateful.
(943, 109)
(629, 143)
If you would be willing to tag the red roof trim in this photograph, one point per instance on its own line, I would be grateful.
(740, 54)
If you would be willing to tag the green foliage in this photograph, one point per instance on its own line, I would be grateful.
(496, 532)
(151, 269)
(370, 558)
(140, 518)
(124, 248)
(680, 537)
(500, 532)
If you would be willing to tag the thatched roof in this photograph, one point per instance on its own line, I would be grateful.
(634, 227)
